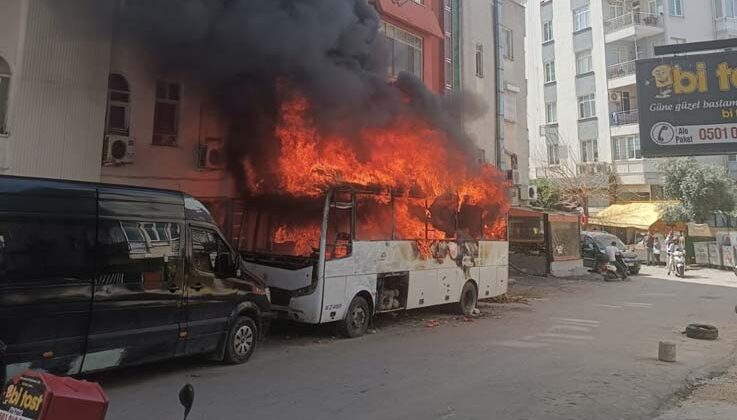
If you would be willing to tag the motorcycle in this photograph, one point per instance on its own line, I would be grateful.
(679, 263)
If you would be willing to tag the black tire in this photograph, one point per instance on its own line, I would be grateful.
(242, 340)
(469, 299)
(356, 319)
(702, 331)
(635, 272)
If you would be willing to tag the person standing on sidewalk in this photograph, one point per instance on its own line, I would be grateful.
(649, 243)
(657, 250)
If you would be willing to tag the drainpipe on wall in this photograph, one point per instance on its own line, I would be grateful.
(496, 13)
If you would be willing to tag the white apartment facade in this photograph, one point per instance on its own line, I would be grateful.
(583, 89)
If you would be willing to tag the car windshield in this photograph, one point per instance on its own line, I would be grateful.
(604, 241)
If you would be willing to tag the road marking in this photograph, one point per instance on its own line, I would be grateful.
(601, 305)
(560, 341)
(568, 336)
(522, 344)
(578, 321)
(638, 305)
(570, 327)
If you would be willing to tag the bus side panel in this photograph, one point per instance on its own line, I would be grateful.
(424, 289)
(487, 282)
(359, 283)
(334, 301)
(451, 281)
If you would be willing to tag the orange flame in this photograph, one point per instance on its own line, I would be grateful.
(407, 155)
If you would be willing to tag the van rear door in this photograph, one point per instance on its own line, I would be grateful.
(47, 240)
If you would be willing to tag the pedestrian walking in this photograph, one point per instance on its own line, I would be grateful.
(649, 242)
(656, 250)
(671, 247)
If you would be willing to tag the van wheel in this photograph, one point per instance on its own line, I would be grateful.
(469, 298)
(242, 339)
(356, 319)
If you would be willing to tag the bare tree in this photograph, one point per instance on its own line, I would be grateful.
(578, 183)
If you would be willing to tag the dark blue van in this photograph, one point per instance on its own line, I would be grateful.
(96, 276)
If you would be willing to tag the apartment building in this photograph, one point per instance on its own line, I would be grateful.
(583, 88)
(495, 72)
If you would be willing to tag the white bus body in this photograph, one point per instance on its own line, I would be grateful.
(389, 274)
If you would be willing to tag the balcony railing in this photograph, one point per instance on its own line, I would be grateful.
(631, 19)
(625, 117)
(621, 69)
(593, 168)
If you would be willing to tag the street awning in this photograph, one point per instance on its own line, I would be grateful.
(633, 215)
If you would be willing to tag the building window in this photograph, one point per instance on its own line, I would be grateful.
(549, 68)
(732, 158)
(615, 10)
(422, 2)
(731, 8)
(405, 50)
(718, 13)
(675, 7)
(508, 39)
(625, 148)
(479, 60)
(551, 113)
(118, 105)
(583, 62)
(547, 30)
(589, 151)
(553, 154)
(581, 18)
(4, 94)
(586, 106)
(166, 113)
(675, 40)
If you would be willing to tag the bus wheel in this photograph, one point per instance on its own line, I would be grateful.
(469, 297)
(356, 319)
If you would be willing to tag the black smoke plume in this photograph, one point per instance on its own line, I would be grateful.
(330, 51)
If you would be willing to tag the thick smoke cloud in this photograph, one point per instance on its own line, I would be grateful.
(331, 51)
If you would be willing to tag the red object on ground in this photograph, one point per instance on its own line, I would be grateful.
(42, 396)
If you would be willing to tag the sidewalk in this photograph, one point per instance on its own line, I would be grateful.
(715, 399)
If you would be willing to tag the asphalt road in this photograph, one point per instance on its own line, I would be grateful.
(577, 350)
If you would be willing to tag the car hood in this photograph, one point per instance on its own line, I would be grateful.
(629, 255)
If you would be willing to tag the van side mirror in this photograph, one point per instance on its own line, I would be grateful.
(186, 398)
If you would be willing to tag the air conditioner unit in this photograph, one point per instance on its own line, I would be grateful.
(513, 176)
(529, 192)
(614, 96)
(210, 155)
(117, 150)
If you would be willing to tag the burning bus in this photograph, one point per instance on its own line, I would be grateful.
(340, 236)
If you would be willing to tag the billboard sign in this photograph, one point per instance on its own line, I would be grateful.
(688, 105)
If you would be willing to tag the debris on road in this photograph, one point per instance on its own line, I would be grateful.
(702, 332)
(506, 298)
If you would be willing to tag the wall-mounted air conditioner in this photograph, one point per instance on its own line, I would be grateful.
(118, 150)
(211, 155)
